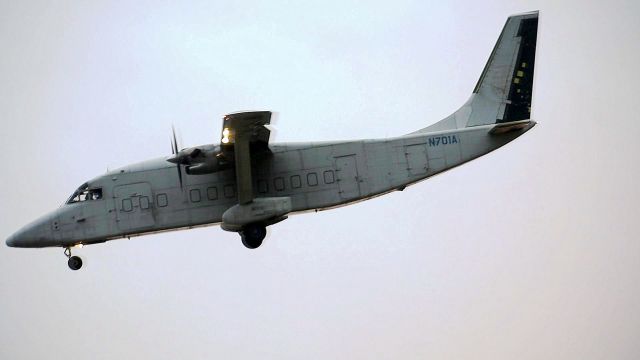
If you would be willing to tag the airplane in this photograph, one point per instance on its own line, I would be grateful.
(245, 183)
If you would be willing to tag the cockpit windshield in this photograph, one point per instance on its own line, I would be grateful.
(84, 193)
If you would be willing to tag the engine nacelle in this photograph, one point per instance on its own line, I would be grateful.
(266, 211)
(207, 167)
(205, 159)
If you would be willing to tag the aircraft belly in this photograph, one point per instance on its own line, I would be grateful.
(209, 214)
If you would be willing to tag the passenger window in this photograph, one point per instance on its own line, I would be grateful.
(229, 191)
(328, 177)
(312, 179)
(144, 202)
(194, 195)
(212, 193)
(162, 200)
(295, 181)
(278, 183)
(127, 205)
(263, 187)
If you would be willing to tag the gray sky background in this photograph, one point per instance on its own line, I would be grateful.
(530, 252)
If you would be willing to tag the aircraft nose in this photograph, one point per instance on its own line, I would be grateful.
(33, 235)
(11, 241)
(20, 238)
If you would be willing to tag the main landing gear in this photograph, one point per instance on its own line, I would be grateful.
(74, 262)
(252, 235)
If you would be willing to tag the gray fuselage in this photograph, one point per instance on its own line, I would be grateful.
(147, 197)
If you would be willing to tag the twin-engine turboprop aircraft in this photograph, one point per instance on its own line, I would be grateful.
(246, 183)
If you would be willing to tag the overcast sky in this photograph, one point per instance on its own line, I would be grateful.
(530, 252)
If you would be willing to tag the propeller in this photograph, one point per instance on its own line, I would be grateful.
(174, 151)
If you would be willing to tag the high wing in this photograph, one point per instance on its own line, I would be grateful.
(244, 134)
(248, 125)
(246, 139)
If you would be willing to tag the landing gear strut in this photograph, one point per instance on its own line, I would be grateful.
(252, 235)
(74, 262)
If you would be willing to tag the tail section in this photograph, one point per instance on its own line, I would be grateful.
(507, 79)
(504, 91)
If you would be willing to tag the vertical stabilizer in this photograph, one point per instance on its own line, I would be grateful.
(505, 88)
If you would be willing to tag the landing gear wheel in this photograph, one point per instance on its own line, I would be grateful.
(252, 236)
(75, 263)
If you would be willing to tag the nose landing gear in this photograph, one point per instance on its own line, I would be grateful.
(74, 262)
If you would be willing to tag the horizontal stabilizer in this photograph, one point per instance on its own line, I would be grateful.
(502, 128)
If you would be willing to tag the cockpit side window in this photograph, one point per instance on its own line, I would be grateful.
(85, 194)
(95, 194)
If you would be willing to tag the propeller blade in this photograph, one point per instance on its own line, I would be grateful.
(174, 150)
(179, 175)
(175, 141)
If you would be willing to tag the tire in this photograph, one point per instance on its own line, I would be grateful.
(252, 236)
(75, 263)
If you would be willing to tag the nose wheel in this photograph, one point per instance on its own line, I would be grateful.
(74, 262)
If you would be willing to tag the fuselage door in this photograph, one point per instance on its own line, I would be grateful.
(347, 174)
(416, 159)
(134, 207)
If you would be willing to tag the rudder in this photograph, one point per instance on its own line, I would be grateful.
(507, 79)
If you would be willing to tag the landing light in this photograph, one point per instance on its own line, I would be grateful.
(225, 135)
(79, 246)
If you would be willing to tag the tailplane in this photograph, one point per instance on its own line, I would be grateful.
(504, 91)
